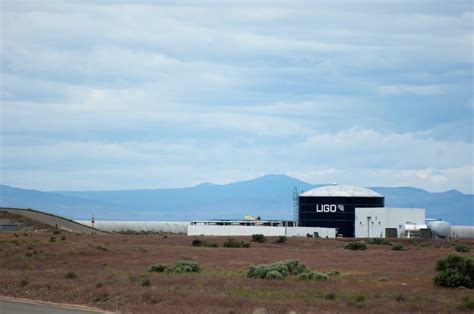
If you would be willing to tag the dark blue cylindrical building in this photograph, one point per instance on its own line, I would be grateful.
(334, 206)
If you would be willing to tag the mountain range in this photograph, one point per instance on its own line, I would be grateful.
(270, 197)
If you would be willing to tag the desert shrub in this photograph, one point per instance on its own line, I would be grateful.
(52, 239)
(358, 298)
(56, 231)
(101, 248)
(24, 282)
(260, 238)
(16, 235)
(99, 284)
(356, 245)
(309, 235)
(187, 267)
(379, 241)
(273, 275)
(466, 304)
(383, 279)
(63, 237)
(312, 275)
(398, 247)
(29, 254)
(455, 271)
(100, 297)
(400, 297)
(232, 243)
(333, 273)
(145, 281)
(260, 271)
(330, 296)
(296, 267)
(15, 242)
(71, 275)
(158, 268)
(281, 239)
(462, 248)
(197, 242)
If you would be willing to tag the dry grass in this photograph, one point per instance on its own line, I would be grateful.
(112, 279)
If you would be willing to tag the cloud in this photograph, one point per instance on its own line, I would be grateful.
(146, 94)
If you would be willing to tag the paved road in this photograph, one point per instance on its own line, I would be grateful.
(53, 220)
(12, 306)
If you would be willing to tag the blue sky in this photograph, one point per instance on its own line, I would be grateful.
(153, 94)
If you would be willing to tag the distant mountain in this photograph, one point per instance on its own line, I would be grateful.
(268, 196)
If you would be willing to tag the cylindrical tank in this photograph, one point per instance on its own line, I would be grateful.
(334, 206)
(413, 227)
(440, 229)
(462, 232)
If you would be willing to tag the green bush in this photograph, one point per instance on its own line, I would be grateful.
(462, 248)
(202, 243)
(281, 239)
(71, 275)
(57, 231)
(312, 275)
(333, 273)
(260, 271)
(232, 243)
(52, 239)
(187, 267)
(296, 267)
(330, 296)
(379, 241)
(273, 275)
(284, 268)
(356, 245)
(455, 271)
(158, 268)
(145, 281)
(466, 304)
(398, 247)
(260, 238)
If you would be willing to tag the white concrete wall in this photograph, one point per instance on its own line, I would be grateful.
(385, 217)
(201, 229)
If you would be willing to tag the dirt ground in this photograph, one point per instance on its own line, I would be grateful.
(106, 271)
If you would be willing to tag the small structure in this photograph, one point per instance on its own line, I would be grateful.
(8, 227)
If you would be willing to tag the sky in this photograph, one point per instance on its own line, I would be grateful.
(102, 95)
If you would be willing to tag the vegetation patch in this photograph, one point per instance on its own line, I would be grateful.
(203, 243)
(312, 275)
(333, 273)
(158, 268)
(455, 271)
(232, 243)
(379, 241)
(285, 269)
(355, 245)
(71, 275)
(466, 303)
(260, 238)
(462, 248)
(180, 268)
(281, 239)
(398, 247)
(187, 267)
(145, 281)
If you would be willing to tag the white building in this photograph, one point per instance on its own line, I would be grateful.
(372, 222)
(248, 228)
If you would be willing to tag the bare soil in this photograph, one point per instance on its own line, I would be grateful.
(105, 271)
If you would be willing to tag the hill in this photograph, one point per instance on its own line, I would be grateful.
(268, 196)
